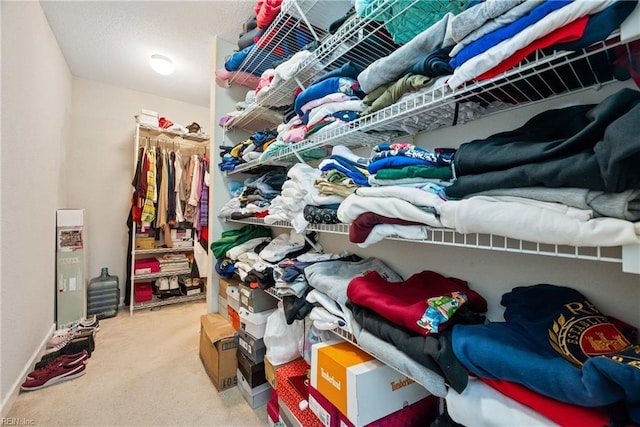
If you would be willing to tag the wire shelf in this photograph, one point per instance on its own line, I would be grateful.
(159, 274)
(168, 301)
(299, 23)
(324, 139)
(447, 237)
(163, 250)
(539, 78)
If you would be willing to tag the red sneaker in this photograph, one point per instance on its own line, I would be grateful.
(65, 359)
(55, 374)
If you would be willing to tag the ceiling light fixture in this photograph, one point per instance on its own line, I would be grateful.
(161, 64)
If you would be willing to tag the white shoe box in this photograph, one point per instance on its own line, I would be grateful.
(254, 323)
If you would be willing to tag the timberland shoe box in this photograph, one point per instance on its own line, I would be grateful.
(360, 386)
(253, 372)
(218, 348)
(252, 347)
(256, 396)
(254, 324)
(256, 300)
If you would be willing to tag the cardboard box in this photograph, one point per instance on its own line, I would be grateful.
(145, 242)
(222, 307)
(252, 372)
(292, 391)
(256, 300)
(286, 416)
(192, 290)
(421, 413)
(273, 410)
(256, 396)
(233, 297)
(270, 371)
(218, 347)
(143, 292)
(252, 347)
(254, 324)
(234, 317)
(224, 284)
(360, 386)
(326, 412)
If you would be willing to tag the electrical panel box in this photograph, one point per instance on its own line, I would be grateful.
(70, 266)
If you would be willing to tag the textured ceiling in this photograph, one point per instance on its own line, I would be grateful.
(111, 41)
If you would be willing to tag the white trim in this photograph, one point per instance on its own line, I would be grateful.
(10, 398)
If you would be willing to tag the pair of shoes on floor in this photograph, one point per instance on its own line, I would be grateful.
(82, 340)
(63, 337)
(62, 368)
(68, 360)
(167, 283)
(91, 322)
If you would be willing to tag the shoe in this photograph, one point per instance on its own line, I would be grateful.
(163, 284)
(65, 359)
(59, 344)
(84, 323)
(193, 128)
(54, 374)
(60, 337)
(79, 343)
(173, 282)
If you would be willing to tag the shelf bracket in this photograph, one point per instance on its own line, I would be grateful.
(631, 259)
(297, 154)
(306, 21)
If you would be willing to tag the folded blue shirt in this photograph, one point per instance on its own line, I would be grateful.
(490, 40)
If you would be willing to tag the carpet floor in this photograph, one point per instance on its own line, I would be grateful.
(145, 371)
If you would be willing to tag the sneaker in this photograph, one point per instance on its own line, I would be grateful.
(173, 282)
(62, 336)
(163, 284)
(80, 343)
(65, 359)
(59, 344)
(85, 323)
(54, 374)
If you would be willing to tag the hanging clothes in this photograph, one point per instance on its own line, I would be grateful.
(179, 186)
(149, 208)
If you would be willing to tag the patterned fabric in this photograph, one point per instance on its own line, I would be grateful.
(149, 209)
(204, 199)
(291, 397)
(320, 215)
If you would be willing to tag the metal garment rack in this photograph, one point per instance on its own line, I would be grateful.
(167, 139)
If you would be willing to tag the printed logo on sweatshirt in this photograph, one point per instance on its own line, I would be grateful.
(629, 356)
(580, 331)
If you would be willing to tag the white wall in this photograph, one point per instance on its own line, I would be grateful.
(101, 159)
(36, 114)
(66, 142)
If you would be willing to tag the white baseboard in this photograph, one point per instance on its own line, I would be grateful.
(15, 389)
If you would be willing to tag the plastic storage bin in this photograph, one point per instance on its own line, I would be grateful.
(103, 295)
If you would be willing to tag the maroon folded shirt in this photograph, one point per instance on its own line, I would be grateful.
(404, 303)
(360, 229)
